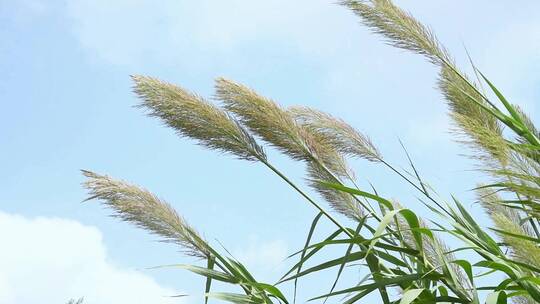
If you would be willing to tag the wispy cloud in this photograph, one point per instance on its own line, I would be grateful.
(50, 260)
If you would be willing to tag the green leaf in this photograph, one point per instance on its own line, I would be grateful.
(210, 266)
(308, 240)
(328, 264)
(360, 295)
(347, 253)
(467, 267)
(242, 270)
(271, 289)
(309, 255)
(375, 268)
(410, 295)
(374, 197)
(498, 297)
(360, 240)
(466, 218)
(507, 120)
(519, 236)
(392, 259)
(411, 219)
(505, 102)
(496, 266)
(383, 282)
(206, 272)
(234, 298)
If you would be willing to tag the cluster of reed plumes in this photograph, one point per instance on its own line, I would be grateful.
(399, 250)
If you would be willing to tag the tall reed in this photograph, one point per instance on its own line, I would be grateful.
(395, 246)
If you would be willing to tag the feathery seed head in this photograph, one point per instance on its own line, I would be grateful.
(494, 206)
(341, 202)
(140, 207)
(523, 250)
(459, 93)
(263, 116)
(434, 249)
(192, 116)
(340, 135)
(278, 127)
(523, 300)
(489, 146)
(509, 220)
(400, 28)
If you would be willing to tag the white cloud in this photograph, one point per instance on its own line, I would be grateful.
(50, 260)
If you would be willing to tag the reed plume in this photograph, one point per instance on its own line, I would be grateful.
(336, 132)
(523, 250)
(399, 27)
(341, 202)
(472, 120)
(278, 127)
(523, 300)
(511, 221)
(406, 254)
(402, 30)
(434, 249)
(193, 117)
(143, 209)
(268, 120)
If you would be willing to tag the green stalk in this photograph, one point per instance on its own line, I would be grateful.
(525, 133)
(382, 290)
(333, 220)
(415, 186)
(302, 193)
(366, 206)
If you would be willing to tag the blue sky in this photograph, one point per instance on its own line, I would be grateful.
(66, 104)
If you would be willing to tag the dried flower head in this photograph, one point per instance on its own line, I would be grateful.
(435, 250)
(341, 202)
(473, 121)
(400, 28)
(140, 207)
(340, 135)
(273, 124)
(264, 117)
(278, 127)
(509, 220)
(192, 116)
